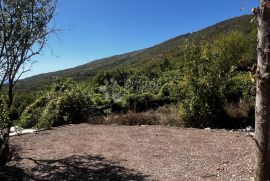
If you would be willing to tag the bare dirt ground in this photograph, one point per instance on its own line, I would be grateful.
(87, 152)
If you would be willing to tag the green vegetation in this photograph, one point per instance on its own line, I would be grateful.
(150, 58)
(196, 80)
(4, 114)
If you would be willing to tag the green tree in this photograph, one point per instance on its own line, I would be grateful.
(229, 50)
(204, 97)
(23, 34)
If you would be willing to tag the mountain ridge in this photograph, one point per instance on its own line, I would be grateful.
(149, 56)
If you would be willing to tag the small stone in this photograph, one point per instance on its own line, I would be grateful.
(250, 129)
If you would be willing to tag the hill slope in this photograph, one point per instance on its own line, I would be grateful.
(140, 59)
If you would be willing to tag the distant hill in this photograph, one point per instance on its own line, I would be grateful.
(141, 59)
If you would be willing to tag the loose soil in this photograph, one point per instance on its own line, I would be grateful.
(87, 152)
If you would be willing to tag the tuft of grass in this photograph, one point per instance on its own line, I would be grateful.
(129, 119)
(169, 115)
(165, 116)
(238, 110)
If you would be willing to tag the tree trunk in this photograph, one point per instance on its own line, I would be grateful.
(4, 152)
(262, 126)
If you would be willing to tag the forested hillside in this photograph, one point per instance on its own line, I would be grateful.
(147, 58)
(201, 79)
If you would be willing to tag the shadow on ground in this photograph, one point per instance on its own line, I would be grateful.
(73, 168)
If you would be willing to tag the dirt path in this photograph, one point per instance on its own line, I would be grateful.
(87, 152)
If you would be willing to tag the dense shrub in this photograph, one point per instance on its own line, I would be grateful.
(4, 114)
(202, 106)
(206, 84)
(142, 102)
(172, 92)
(20, 103)
(32, 113)
(57, 107)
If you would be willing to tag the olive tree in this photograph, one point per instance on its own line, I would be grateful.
(24, 29)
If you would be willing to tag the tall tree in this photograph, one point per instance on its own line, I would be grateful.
(24, 28)
(262, 127)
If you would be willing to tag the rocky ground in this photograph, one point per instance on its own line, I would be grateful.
(87, 152)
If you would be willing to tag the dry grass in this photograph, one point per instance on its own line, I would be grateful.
(169, 115)
(238, 110)
(129, 119)
(165, 116)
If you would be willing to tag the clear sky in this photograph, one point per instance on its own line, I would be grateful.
(95, 29)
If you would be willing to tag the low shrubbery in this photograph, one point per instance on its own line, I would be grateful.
(4, 114)
(213, 82)
(206, 90)
(65, 103)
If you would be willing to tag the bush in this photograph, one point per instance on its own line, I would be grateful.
(171, 92)
(202, 106)
(212, 82)
(141, 102)
(169, 115)
(20, 103)
(4, 114)
(57, 107)
(32, 113)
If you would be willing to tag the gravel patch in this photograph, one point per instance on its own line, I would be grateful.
(88, 152)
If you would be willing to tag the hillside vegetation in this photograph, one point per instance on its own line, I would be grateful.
(147, 58)
(201, 79)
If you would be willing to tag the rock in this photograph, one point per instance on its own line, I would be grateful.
(18, 131)
(207, 128)
(250, 129)
(251, 134)
(15, 129)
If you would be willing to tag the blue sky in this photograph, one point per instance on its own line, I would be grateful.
(95, 29)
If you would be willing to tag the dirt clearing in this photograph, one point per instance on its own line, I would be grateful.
(87, 152)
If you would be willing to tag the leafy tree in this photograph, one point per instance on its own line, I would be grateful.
(23, 34)
(229, 50)
(202, 105)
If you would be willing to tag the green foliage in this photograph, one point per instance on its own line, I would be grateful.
(229, 50)
(172, 91)
(20, 103)
(237, 86)
(65, 103)
(166, 65)
(31, 115)
(4, 113)
(207, 78)
(202, 105)
(212, 81)
(141, 102)
(151, 58)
